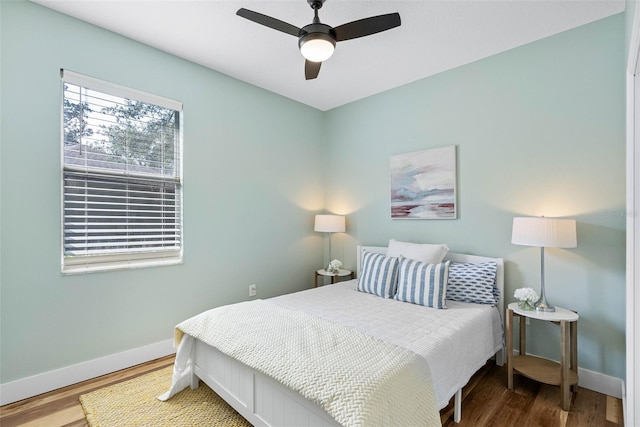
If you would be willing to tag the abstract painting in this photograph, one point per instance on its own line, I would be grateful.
(423, 184)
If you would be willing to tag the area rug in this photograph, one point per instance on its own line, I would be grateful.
(133, 403)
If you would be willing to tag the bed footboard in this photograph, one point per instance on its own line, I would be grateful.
(258, 398)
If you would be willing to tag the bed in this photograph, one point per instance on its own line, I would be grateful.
(455, 343)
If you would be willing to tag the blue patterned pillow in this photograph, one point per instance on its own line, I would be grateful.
(473, 283)
(422, 283)
(378, 275)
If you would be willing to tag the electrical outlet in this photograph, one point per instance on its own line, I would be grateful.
(252, 290)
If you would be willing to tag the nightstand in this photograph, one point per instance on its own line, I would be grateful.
(340, 273)
(565, 373)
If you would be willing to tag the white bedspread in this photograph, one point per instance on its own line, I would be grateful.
(456, 341)
(358, 379)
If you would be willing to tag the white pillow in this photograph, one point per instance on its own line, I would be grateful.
(423, 252)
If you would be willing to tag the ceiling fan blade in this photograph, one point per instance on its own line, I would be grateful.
(311, 69)
(268, 21)
(367, 26)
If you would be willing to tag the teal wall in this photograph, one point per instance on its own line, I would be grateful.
(252, 185)
(539, 130)
(629, 13)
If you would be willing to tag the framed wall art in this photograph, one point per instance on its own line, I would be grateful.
(423, 184)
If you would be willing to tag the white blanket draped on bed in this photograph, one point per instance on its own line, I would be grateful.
(357, 379)
(455, 342)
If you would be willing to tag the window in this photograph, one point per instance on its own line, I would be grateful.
(122, 187)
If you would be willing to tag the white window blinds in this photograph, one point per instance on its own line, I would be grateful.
(122, 186)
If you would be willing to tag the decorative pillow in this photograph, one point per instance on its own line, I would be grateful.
(473, 283)
(423, 252)
(378, 274)
(422, 283)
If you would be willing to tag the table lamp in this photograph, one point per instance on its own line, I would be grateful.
(544, 232)
(330, 224)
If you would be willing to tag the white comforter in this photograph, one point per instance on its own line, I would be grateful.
(456, 342)
(358, 379)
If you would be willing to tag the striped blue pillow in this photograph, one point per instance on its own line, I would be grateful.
(422, 283)
(378, 275)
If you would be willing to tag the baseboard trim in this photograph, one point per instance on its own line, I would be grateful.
(47, 381)
(605, 384)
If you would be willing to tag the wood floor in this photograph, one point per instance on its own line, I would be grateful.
(486, 402)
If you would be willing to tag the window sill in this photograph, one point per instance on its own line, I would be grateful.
(69, 270)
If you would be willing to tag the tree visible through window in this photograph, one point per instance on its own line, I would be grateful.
(121, 177)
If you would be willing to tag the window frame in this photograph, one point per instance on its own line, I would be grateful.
(133, 259)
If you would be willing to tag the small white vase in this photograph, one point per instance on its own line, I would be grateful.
(525, 305)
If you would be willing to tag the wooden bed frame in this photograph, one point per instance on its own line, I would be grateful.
(263, 401)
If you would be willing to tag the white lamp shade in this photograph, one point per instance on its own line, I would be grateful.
(544, 232)
(330, 223)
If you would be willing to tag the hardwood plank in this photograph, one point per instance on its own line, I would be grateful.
(39, 410)
(588, 408)
(58, 418)
(614, 410)
(546, 410)
(517, 403)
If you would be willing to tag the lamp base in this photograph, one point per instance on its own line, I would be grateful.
(544, 307)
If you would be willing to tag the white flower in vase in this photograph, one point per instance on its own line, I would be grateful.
(334, 266)
(526, 297)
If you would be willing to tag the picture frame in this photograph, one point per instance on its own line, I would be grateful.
(423, 184)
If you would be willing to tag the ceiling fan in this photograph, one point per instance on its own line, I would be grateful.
(317, 40)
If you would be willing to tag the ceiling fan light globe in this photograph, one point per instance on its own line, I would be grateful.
(317, 49)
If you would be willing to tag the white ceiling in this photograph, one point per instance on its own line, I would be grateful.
(435, 35)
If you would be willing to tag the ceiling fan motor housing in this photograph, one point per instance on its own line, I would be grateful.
(315, 32)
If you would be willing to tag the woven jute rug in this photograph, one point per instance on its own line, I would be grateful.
(133, 403)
